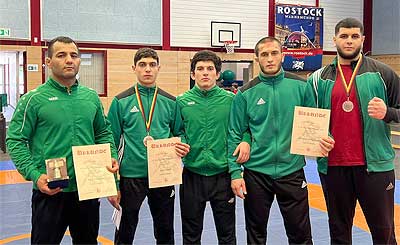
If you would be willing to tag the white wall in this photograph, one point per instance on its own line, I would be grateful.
(336, 10)
(385, 27)
(14, 14)
(191, 20)
(117, 21)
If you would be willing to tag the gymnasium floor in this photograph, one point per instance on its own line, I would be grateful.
(15, 214)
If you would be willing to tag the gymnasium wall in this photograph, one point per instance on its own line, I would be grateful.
(392, 60)
(15, 15)
(173, 77)
(336, 10)
(190, 24)
(103, 20)
(385, 39)
(191, 20)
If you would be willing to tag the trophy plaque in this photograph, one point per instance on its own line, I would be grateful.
(57, 171)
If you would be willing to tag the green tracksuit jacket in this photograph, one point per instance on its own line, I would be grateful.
(374, 79)
(129, 128)
(51, 119)
(205, 115)
(266, 109)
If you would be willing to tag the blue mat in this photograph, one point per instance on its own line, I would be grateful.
(7, 165)
(310, 170)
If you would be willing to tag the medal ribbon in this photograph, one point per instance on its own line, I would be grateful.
(353, 75)
(153, 105)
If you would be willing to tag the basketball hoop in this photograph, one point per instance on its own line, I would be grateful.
(230, 46)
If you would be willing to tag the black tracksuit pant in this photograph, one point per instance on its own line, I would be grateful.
(195, 191)
(161, 204)
(51, 215)
(343, 186)
(292, 196)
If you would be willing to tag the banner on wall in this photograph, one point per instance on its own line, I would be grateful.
(300, 30)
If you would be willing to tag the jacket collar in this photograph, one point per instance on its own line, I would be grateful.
(144, 89)
(352, 64)
(61, 87)
(205, 93)
(272, 79)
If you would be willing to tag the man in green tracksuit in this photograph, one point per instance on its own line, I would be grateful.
(205, 113)
(47, 122)
(265, 107)
(137, 115)
(364, 96)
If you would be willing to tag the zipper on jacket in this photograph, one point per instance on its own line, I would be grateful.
(207, 150)
(275, 124)
(362, 123)
(69, 91)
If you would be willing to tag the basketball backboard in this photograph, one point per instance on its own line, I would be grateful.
(225, 31)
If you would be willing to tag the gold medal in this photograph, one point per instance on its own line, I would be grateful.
(347, 106)
(147, 138)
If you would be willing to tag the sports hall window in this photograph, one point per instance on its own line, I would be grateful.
(92, 72)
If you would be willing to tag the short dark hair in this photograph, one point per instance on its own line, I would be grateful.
(349, 23)
(265, 40)
(206, 55)
(61, 39)
(145, 53)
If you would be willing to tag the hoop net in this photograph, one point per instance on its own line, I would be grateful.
(230, 46)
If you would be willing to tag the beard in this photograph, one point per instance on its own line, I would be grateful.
(350, 56)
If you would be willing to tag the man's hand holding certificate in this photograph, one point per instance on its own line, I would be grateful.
(310, 132)
(164, 165)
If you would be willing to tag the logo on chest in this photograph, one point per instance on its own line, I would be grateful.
(53, 98)
(134, 109)
(261, 101)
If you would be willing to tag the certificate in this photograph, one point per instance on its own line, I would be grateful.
(164, 166)
(92, 177)
(309, 126)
